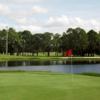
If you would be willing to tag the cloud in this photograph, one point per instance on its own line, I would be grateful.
(96, 24)
(4, 9)
(21, 13)
(26, 21)
(55, 24)
(19, 1)
(22, 21)
(32, 28)
(24, 17)
(57, 21)
(38, 9)
(61, 23)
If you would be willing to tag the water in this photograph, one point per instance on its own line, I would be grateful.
(52, 66)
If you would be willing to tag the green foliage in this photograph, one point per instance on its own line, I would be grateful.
(78, 40)
(92, 39)
(3, 41)
(24, 42)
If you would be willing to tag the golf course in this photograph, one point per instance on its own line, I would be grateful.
(49, 50)
(48, 86)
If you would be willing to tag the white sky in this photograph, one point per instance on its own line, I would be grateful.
(50, 15)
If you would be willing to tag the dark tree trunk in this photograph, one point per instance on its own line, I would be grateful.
(57, 53)
(37, 53)
(48, 54)
(63, 53)
(32, 53)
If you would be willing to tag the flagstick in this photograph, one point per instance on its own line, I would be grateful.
(6, 64)
(72, 76)
(72, 71)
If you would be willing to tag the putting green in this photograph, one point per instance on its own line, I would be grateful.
(48, 86)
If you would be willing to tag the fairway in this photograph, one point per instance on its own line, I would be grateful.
(48, 86)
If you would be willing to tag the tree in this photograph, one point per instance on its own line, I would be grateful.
(26, 39)
(64, 45)
(3, 41)
(13, 41)
(56, 43)
(27, 43)
(37, 43)
(78, 40)
(98, 44)
(92, 39)
(47, 41)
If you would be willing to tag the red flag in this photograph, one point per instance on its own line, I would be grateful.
(69, 52)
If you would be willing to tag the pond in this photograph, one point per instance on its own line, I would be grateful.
(51, 65)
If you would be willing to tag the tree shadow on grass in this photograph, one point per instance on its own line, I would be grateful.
(91, 74)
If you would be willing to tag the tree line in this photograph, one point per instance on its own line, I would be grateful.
(81, 42)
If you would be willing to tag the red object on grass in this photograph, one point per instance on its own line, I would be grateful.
(69, 52)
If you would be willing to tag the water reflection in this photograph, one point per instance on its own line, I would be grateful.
(53, 66)
(31, 63)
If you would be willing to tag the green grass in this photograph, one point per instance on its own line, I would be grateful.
(75, 60)
(48, 86)
(20, 58)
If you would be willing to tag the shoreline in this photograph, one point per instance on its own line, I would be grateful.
(75, 60)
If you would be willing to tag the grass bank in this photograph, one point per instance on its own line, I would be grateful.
(75, 60)
(20, 58)
(48, 86)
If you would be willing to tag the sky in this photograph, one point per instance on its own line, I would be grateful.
(55, 16)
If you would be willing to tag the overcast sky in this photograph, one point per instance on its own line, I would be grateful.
(50, 15)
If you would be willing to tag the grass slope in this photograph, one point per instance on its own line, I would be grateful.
(20, 58)
(48, 86)
(76, 60)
